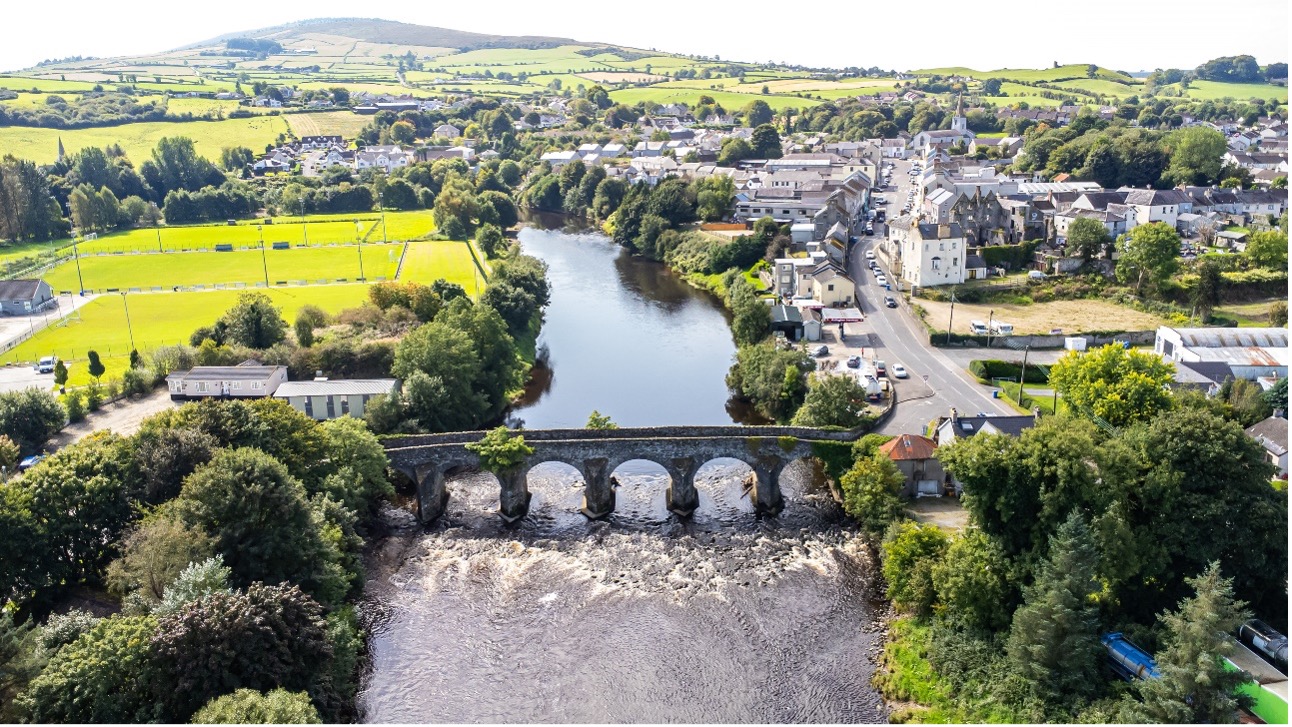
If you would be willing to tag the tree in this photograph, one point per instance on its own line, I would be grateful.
(399, 195)
(153, 556)
(870, 492)
(991, 87)
(1206, 295)
(264, 638)
(1117, 384)
(490, 240)
(95, 367)
(236, 158)
(164, 457)
(1087, 237)
(10, 454)
(911, 552)
(304, 332)
(597, 420)
(1149, 255)
(501, 451)
(1268, 250)
(254, 321)
(757, 113)
(176, 165)
(1196, 153)
(247, 706)
(402, 132)
(773, 380)
(765, 142)
(734, 150)
(60, 374)
(713, 200)
(1054, 640)
(1195, 687)
(750, 316)
(21, 660)
(30, 416)
(103, 676)
(257, 518)
(833, 400)
(974, 583)
(360, 482)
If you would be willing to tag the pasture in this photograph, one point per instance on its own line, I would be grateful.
(158, 319)
(327, 123)
(166, 270)
(428, 261)
(209, 137)
(729, 100)
(1214, 91)
(1072, 70)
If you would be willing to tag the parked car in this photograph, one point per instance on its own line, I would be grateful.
(29, 462)
(870, 254)
(822, 350)
(899, 371)
(46, 365)
(854, 362)
(890, 301)
(881, 280)
(1035, 275)
(881, 368)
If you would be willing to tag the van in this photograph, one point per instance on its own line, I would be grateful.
(978, 328)
(46, 365)
(1035, 275)
(1000, 328)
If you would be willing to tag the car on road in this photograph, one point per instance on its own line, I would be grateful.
(899, 371)
(890, 301)
(881, 368)
(870, 254)
(880, 279)
(46, 365)
(822, 350)
(854, 362)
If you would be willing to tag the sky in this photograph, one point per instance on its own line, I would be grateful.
(1129, 35)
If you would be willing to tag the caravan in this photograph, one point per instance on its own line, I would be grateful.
(1000, 328)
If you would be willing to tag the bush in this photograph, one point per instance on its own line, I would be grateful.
(247, 706)
(94, 396)
(100, 677)
(74, 405)
(30, 417)
(988, 369)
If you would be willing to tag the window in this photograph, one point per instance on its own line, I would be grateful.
(309, 406)
(942, 246)
(236, 385)
(937, 263)
(255, 385)
(345, 405)
(331, 408)
(203, 386)
(830, 286)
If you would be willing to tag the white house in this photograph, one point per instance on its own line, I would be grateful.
(1272, 434)
(1251, 353)
(931, 254)
(448, 131)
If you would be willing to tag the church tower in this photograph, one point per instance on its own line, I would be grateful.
(959, 122)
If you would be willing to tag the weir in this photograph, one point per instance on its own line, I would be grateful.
(596, 453)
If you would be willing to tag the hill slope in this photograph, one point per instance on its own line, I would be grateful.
(375, 30)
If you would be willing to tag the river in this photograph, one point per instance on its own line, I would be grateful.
(639, 618)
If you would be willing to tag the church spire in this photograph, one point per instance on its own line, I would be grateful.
(959, 122)
(960, 105)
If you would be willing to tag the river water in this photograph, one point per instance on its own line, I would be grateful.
(726, 617)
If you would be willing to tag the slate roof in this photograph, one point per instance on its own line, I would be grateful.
(18, 289)
(1013, 426)
(1272, 433)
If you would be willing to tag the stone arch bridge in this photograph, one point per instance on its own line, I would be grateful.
(595, 453)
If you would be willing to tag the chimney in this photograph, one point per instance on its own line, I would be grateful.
(955, 416)
(944, 231)
(318, 376)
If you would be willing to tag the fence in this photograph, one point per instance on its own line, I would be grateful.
(292, 283)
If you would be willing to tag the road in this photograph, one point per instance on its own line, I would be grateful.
(936, 383)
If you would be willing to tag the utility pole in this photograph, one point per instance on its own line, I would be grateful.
(952, 316)
(357, 228)
(990, 314)
(77, 255)
(157, 227)
(263, 261)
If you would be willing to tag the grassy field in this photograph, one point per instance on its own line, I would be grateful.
(328, 123)
(428, 261)
(138, 140)
(158, 319)
(1249, 315)
(1104, 87)
(1072, 70)
(1214, 91)
(1072, 316)
(210, 268)
(730, 100)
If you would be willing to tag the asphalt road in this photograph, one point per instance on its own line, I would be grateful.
(936, 383)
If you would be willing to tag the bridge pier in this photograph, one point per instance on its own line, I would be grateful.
(513, 498)
(432, 496)
(682, 498)
(766, 492)
(598, 493)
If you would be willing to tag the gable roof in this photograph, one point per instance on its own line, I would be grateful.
(1012, 426)
(908, 447)
(19, 289)
(1272, 433)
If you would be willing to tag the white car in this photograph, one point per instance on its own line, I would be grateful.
(870, 254)
(899, 371)
(881, 280)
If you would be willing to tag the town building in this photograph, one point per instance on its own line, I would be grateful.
(916, 457)
(1251, 353)
(22, 297)
(1272, 434)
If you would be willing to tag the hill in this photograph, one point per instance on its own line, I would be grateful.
(390, 32)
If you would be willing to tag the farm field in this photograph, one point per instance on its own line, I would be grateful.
(1214, 91)
(729, 100)
(428, 261)
(46, 85)
(1248, 315)
(166, 270)
(327, 123)
(1073, 316)
(41, 145)
(1072, 70)
(159, 319)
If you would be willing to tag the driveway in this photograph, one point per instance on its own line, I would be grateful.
(122, 417)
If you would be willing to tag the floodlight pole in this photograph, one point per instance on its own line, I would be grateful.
(157, 227)
(76, 254)
(264, 263)
(129, 327)
(359, 239)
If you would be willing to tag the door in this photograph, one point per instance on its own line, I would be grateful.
(929, 488)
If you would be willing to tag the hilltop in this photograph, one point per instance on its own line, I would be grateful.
(390, 32)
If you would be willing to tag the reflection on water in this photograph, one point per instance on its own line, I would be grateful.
(641, 618)
(626, 337)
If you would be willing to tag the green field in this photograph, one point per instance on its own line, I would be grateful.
(158, 319)
(1072, 70)
(328, 123)
(158, 270)
(48, 85)
(1214, 91)
(729, 100)
(1103, 87)
(428, 261)
(41, 145)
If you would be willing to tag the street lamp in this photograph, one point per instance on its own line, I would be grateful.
(358, 227)
(264, 263)
(129, 327)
